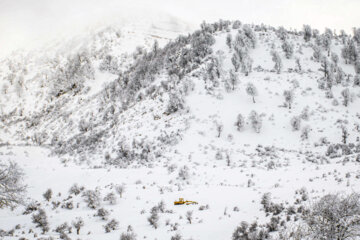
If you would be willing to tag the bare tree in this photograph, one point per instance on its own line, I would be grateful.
(189, 216)
(78, 224)
(120, 189)
(12, 188)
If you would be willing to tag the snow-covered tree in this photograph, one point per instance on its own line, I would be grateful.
(346, 96)
(295, 123)
(251, 91)
(229, 40)
(357, 80)
(256, 121)
(357, 66)
(277, 60)
(240, 122)
(246, 66)
(317, 53)
(289, 97)
(307, 32)
(233, 79)
(235, 60)
(281, 33)
(12, 188)
(288, 49)
(176, 102)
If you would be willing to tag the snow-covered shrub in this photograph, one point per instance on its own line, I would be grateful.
(154, 219)
(41, 221)
(346, 96)
(129, 235)
(295, 123)
(288, 49)
(76, 189)
(111, 198)
(240, 122)
(357, 80)
(184, 173)
(31, 207)
(177, 236)
(111, 226)
(289, 97)
(102, 213)
(248, 232)
(62, 228)
(305, 132)
(48, 194)
(92, 198)
(176, 102)
(256, 121)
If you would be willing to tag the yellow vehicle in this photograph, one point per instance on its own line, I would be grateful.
(182, 202)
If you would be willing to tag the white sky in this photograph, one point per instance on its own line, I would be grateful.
(26, 22)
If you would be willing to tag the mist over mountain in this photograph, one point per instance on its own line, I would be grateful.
(147, 127)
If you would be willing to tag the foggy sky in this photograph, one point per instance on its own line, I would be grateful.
(25, 23)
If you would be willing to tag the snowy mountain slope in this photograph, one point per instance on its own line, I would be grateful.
(164, 125)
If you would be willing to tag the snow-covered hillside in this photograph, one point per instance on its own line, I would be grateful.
(221, 116)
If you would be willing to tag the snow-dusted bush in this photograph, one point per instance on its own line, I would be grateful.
(41, 221)
(240, 122)
(289, 97)
(111, 198)
(48, 194)
(111, 226)
(76, 189)
(102, 213)
(295, 123)
(129, 235)
(176, 102)
(177, 236)
(184, 173)
(92, 198)
(305, 132)
(249, 232)
(154, 219)
(256, 121)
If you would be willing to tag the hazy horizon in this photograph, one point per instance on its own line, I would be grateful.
(26, 23)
